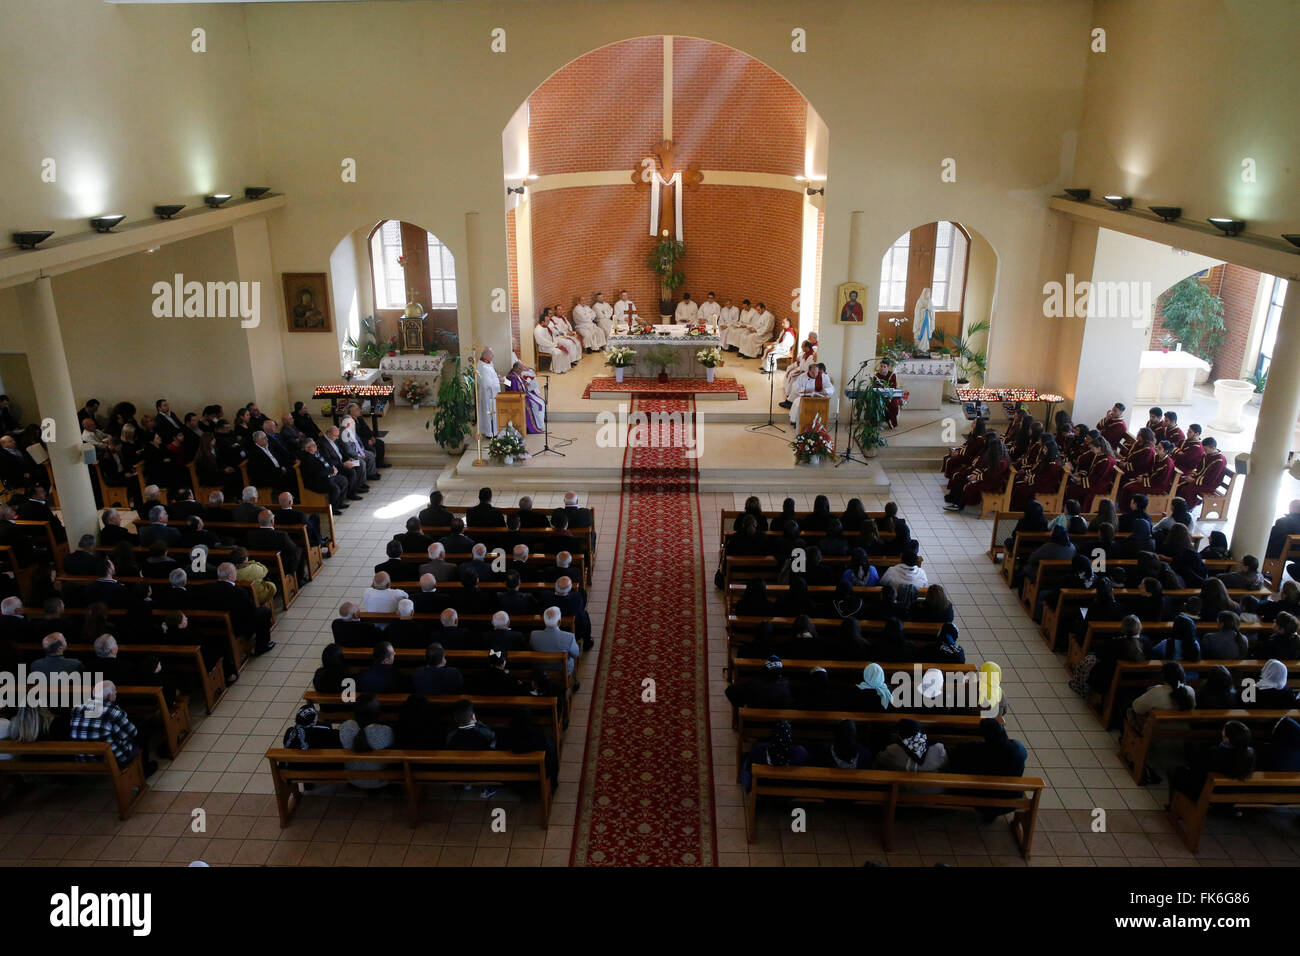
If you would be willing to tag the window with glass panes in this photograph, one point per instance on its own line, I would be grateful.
(390, 282)
(893, 275)
(1271, 320)
(442, 275)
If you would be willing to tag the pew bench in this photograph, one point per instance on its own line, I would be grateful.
(1142, 733)
(59, 758)
(1257, 790)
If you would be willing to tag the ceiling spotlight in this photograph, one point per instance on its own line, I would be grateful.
(169, 210)
(216, 200)
(1292, 237)
(256, 192)
(106, 223)
(1167, 213)
(1230, 227)
(1080, 195)
(31, 238)
(511, 190)
(816, 192)
(1119, 202)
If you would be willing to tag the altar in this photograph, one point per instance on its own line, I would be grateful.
(680, 347)
(423, 368)
(923, 380)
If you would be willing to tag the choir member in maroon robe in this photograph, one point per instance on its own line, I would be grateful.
(1205, 479)
(1172, 433)
(1141, 455)
(1158, 479)
(1026, 456)
(885, 378)
(989, 475)
(1043, 478)
(1156, 422)
(1188, 454)
(1093, 480)
(969, 452)
(1112, 426)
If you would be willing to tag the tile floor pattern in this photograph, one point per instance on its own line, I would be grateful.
(222, 769)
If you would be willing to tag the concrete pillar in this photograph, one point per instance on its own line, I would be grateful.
(265, 350)
(53, 385)
(858, 342)
(489, 328)
(1258, 508)
(524, 265)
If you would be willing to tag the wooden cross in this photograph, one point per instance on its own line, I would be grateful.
(665, 153)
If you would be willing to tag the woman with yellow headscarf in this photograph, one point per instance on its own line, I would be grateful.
(990, 684)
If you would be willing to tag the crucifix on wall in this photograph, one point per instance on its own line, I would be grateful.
(660, 173)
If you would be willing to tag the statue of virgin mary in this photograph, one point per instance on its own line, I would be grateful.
(923, 322)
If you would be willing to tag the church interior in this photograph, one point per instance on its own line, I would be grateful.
(548, 434)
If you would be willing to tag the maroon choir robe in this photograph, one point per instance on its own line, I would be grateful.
(1113, 430)
(1044, 480)
(1205, 480)
(978, 483)
(1093, 483)
(1158, 480)
(964, 456)
(1189, 455)
(892, 405)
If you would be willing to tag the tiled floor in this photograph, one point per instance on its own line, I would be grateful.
(221, 771)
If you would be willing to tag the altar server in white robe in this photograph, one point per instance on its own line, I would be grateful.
(798, 368)
(687, 312)
(584, 323)
(728, 316)
(778, 348)
(604, 315)
(545, 339)
(564, 335)
(751, 343)
(489, 385)
(624, 309)
(815, 382)
(743, 326)
(709, 310)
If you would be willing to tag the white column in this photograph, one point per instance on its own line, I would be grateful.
(265, 349)
(524, 267)
(1258, 508)
(54, 394)
(489, 328)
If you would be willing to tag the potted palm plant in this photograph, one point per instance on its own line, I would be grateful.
(970, 361)
(661, 356)
(451, 423)
(663, 260)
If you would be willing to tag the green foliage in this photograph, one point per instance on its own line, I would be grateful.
(1259, 381)
(451, 422)
(661, 356)
(869, 415)
(1194, 316)
(368, 348)
(970, 361)
(663, 260)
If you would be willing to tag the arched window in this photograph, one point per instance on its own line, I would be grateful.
(932, 256)
(411, 264)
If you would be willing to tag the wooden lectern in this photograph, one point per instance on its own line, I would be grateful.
(814, 406)
(510, 408)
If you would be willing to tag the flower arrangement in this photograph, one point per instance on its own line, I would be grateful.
(696, 331)
(641, 330)
(813, 444)
(507, 444)
(416, 391)
(620, 357)
(709, 358)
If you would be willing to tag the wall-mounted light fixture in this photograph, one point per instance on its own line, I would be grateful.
(1230, 227)
(1119, 202)
(1167, 213)
(1079, 195)
(31, 238)
(216, 200)
(106, 223)
(168, 210)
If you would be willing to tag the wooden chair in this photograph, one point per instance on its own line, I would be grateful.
(1274, 568)
(1056, 500)
(543, 361)
(1214, 506)
(1159, 504)
(991, 504)
(114, 496)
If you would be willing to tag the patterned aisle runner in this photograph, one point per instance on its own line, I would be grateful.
(646, 793)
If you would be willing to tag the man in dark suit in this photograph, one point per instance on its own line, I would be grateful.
(216, 509)
(528, 518)
(514, 601)
(113, 532)
(578, 517)
(320, 476)
(478, 563)
(89, 410)
(353, 471)
(165, 422)
(435, 516)
(191, 433)
(16, 469)
(183, 506)
(503, 637)
(248, 509)
(381, 677)
(349, 630)
(451, 635)
(266, 537)
(561, 540)
(246, 618)
(159, 468)
(15, 628)
(518, 563)
(37, 508)
(83, 560)
(177, 595)
(15, 536)
(573, 603)
(194, 534)
(437, 565)
(456, 542)
(414, 541)
(366, 435)
(435, 677)
(106, 588)
(483, 514)
(1286, 525)
(158, 530)
(265, 469)
(429, 600)
(395, 567)
(406, 631)
(472, 599)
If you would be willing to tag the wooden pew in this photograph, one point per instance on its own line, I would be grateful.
(149, 702)
(1156, 630)
(1051, 572)
(1138, 738)
(555, 663)
(408, 768)
(286, 584)
(1257, 790)
(114, 496)
(741, 630)
(500, 537)
(581, 575)
(42, 535)
(739, 569)
(891, 789)
(1054, 615)
(58, 758)
(1273, 567)
(734, 592)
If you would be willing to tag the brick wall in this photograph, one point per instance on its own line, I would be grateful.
(512, 274)
(602, 111)
(731, 111)
(742, 242)
(1236, 286)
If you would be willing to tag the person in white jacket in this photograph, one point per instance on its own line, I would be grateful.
(751, 344)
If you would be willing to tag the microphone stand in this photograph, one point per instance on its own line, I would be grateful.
(546, 448)
(771, 392)
(853, 415)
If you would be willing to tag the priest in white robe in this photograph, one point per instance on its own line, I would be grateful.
(546, 343)
(584, 323)
(564, 335)
(778, 348)
(798, 368)
(815, 382)
(751, 343)
(488, 385)
(728, 316)
(687, 312)
(743, 326)
(624, 312)
(709, 310)
(604, 315)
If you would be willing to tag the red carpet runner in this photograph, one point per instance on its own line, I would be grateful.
(646, 794)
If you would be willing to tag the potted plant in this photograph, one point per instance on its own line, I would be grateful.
(811, 446)
(367, 350)
(1260, 382)
(663, 260)
(451, 423)
(970, 361)
(661, 356)
(1194, 316)
(1166, 342)
(619, 358)
(416, 391)
(507, 446)
(869, 415)
(710, 359)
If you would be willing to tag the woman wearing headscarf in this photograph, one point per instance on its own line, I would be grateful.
(755, 602)
(1232, 756)
(859, 572)
(768, 691)
(329, 677)
(308, 733)
(796, 599)
(747, 541)
(1139, 539)
(912, 751)
(872, 695)
(1181, 644)
(1217, 691)
(892, 646)
(1283, 642)
(959, 458)
(817, 693)
(847, 605)
(946, 650)
(779, 750)
(1281, 754)
(854, 515)
(991, 700)
(846, 751)
(1271, 690)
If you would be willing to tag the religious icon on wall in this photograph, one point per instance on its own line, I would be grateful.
(852, 302)
(307, 302)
